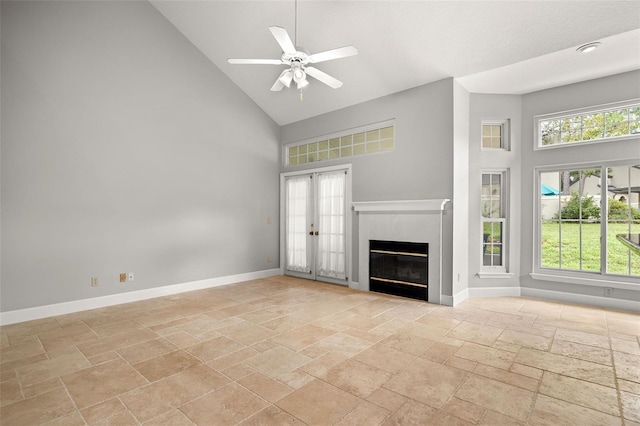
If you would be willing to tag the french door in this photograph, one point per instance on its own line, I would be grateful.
(315, 237)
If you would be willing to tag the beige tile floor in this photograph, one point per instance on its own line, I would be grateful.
(285, 351)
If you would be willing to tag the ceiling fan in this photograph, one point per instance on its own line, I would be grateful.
(297, 61)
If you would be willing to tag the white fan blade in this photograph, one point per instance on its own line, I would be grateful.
(282, 37)
(255, 61)
(323, 77)
(283, 80)
(341, 52)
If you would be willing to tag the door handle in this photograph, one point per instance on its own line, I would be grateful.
(310, 232)
(317, 233)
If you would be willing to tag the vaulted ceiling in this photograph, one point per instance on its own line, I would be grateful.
(489, 46)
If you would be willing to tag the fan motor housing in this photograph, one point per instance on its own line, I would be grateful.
(299, 56)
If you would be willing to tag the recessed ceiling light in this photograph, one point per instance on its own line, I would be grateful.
(589, 47)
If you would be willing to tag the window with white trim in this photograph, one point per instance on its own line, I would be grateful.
(371, 139)
(597, 124)
(494, 220)
(495, 135)
(589, 219)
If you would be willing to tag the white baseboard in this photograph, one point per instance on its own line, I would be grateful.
(494, 291)
(471, 292)
(461, 296)
(28, 314)
(582, 299)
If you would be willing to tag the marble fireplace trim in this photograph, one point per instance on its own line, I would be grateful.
(417, 221)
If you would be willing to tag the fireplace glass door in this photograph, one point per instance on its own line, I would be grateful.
(399, 268)
(315, 226)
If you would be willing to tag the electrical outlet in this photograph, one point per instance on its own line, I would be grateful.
(94, 282)
(130, 276)
(268, 259)
(123, 277)
(608, 291)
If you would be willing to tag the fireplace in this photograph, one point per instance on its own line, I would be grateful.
(399, 268)
(420, 221)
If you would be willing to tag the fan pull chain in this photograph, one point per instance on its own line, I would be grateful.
(301, 98)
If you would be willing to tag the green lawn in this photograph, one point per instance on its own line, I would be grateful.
(618, 255)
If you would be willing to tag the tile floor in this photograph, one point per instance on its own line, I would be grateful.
(284, 351)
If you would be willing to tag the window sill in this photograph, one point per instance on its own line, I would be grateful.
(494, 149)
(602, 281)
(494, 275)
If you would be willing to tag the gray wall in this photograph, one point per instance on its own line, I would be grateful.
(420, 166)
(125, 150)
(460, 199)
(485, 107)
(616, 88)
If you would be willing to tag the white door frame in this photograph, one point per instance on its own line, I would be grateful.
(348, 215)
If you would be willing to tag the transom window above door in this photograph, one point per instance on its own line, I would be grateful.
(376, 138)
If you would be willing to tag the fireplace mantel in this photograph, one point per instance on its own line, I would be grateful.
(401, 206)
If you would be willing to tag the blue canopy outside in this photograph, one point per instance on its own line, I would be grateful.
(547, 190)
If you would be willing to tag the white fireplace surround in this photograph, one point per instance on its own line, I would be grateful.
(418, 221)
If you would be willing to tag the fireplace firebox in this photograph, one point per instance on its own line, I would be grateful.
(399, 268)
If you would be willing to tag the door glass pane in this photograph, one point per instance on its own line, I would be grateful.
(331, 212)
(623, 222)
(297, 207)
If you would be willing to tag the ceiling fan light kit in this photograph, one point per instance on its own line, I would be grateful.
(297, 60)
(284, 79)
(300, 77)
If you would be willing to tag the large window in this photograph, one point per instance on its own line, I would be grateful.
(586, 126)
(493, 205)
(589, 219)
